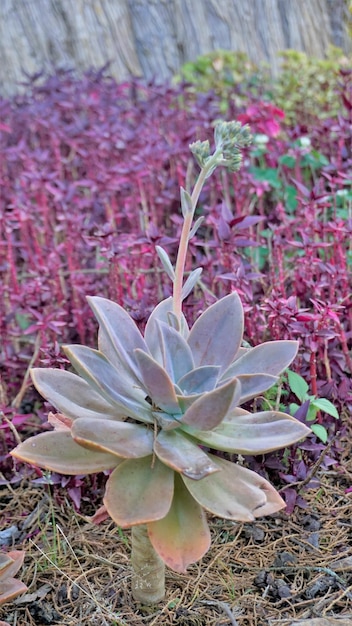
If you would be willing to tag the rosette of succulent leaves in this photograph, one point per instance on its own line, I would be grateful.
(155, 410)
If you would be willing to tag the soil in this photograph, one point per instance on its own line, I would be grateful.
(275, 572)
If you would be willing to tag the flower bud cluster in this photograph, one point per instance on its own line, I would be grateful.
(230, 137)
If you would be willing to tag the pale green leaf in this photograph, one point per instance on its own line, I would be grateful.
(199, 379)
(217, 334)
(186, 202)
(166, 263)
(235, 493)
(115, 386)
(139, 491)
(253, 433)
(190, 282)
(211, 407)
(183, 455)
(58, 452)
(254, 384)
(121, 438)
(158, 383)
(272, 357)
(176, 353)
(71, 395)
(181, 537)
(118, 334)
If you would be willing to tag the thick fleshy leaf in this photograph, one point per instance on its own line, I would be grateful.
(211, 407)
(272, 357)
(59, 421)
(183, 455)
(200, 379)
(126, 440)
(118, 334)
(217, 334)
(176, 353)
(161, 313)
(254, 433)
(10, 589)
(235, 493)
(57, 452)
(157, 383)
(181, 537)
(139, 491)
(254, 384)
(10, 563)
(71, 395)
(121, 391)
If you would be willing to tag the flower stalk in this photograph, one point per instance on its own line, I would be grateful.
(148, 408)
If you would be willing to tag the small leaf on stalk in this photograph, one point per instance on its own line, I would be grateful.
(190, 282)
(186, 202)
(166, 263)
(195, 227)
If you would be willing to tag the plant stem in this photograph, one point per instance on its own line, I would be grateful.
(148, 580)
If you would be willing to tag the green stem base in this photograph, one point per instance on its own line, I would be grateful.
(148, 578)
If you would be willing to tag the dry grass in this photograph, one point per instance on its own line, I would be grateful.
(264, 574)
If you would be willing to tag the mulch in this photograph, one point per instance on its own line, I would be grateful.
(273, 572)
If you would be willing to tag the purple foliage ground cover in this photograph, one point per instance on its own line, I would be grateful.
(90, 172)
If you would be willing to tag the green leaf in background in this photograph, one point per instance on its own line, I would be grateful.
(287, 160)
(320, 431)
(298, 385)
(290, 195)
(325, 405)
(269, 175)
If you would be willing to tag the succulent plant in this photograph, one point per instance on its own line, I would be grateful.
(155, 409)
(10, 587)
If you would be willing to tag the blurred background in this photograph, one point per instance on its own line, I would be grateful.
(154, 38)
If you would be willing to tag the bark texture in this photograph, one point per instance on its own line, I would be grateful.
(155, 37)
(148, 578)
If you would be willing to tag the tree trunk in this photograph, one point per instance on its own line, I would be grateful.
(155, 37)
(148, 579)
